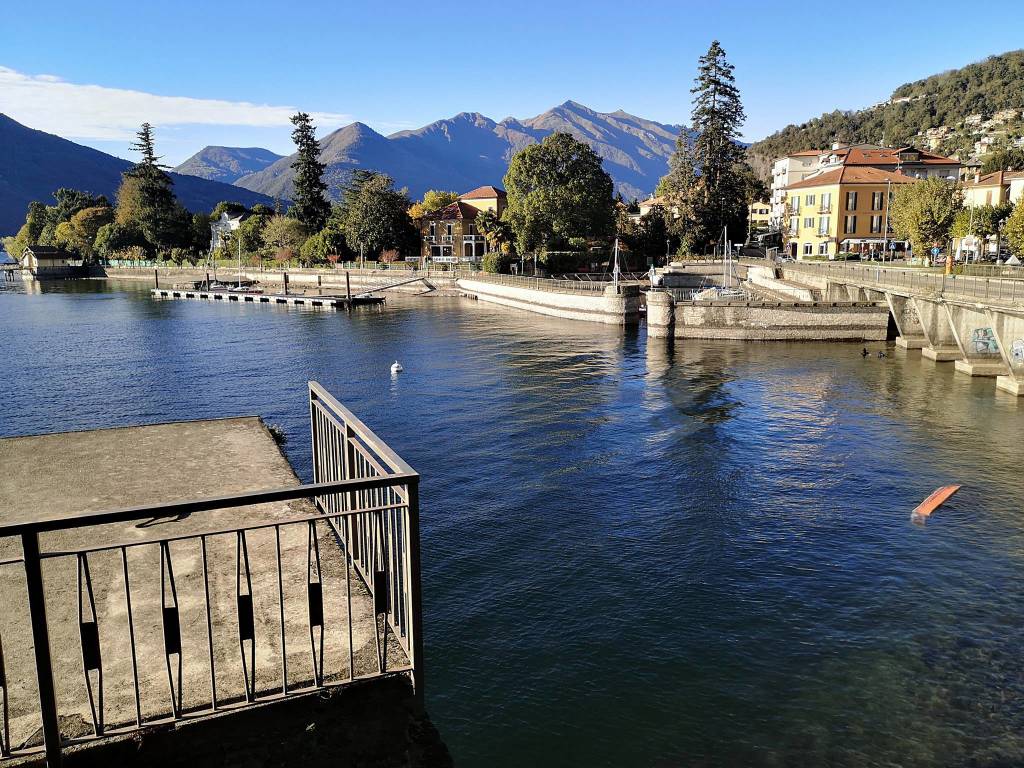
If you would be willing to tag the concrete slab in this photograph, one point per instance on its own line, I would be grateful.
(941, 354)
(981, 367)
(65, 475)
(1012, 384)
(911, 342)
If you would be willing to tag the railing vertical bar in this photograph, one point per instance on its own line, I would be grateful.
(416, 628)
(209, 624)
(41, 648)
(348, 595)
(280, 599)
(131, 637)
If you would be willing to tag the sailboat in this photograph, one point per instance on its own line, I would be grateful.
(730, 280)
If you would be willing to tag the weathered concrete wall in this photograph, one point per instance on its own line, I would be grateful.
(377, 723)
(612, 306)
(767, 322)
(331, 279)
(765, 278)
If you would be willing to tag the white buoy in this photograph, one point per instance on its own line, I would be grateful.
(396, 367)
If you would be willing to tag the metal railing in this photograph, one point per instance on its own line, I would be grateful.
(603, 277)
(917, 281)
(300, 617)
(540, 283)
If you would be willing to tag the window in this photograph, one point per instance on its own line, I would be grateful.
(823, 225)
(851, 201)
(810, 200)
(850, 224)
(876, 225)
(808, 249)
(823, 249)
(472, 229)
(794, 224)
(794, 204)
(876, 201)
(448, 228)
(809, 222)
(433, 228)
(826, 202)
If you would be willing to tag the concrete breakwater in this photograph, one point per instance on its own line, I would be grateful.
(299, 279)
(609, 304)
(765, 320)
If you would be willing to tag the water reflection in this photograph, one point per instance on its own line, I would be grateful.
(636, 551)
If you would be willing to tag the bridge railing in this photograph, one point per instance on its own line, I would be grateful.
(314, 586)
(917, 281)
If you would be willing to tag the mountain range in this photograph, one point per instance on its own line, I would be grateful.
(34, 164)
(461, 153)
(227, 164)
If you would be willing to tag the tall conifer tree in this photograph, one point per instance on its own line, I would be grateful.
(146, 196)
(309, 201)
(706, 182)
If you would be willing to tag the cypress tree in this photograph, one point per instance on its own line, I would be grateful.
(309, 201)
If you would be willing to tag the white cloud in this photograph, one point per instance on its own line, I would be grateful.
(48, 103)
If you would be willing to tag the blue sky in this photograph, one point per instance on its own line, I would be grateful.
(229, 73)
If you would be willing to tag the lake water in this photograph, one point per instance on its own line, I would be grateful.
(633, 555)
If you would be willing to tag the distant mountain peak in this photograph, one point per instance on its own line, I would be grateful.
(470, 149)
(227, 164)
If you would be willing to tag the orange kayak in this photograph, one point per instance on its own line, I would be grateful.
(933, 502)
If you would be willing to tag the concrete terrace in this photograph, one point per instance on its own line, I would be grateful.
(61, 476)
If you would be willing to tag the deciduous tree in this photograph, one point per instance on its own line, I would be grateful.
(433, 201)
(557, 191)
(373, 215)
(1013, 230)
(924, 211)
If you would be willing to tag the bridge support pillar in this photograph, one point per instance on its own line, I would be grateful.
(1008, 329)
(907, 322)
(941, 344)
(979, 348)
(661, 313)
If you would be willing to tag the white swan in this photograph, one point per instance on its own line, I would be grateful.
(396, 367)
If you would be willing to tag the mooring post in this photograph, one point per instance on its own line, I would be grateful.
(41, 643)
(285, 283)
(207, 281)
(156, 276)
(348, 292)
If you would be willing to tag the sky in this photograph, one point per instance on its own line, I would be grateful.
(230, 73)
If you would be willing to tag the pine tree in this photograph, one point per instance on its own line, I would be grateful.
(146, 197)
(309, 202)
(706, 180)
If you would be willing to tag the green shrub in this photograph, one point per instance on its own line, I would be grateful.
(496, 262)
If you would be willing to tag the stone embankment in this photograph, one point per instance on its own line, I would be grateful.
(359, 280)
(609, 304)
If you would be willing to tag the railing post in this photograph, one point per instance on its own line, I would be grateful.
(415, 591)
(41, 645)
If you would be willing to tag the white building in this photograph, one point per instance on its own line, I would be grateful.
(789, 170)
(225, 225)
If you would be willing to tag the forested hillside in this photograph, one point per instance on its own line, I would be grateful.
(946, 99)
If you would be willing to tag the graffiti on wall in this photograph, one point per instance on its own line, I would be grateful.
(1017, 352)
(983, 342)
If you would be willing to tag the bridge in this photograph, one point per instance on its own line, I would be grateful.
(974, 321)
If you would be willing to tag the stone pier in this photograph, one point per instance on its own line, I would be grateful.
(612, 304)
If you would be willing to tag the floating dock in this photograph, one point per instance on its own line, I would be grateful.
(248, 297)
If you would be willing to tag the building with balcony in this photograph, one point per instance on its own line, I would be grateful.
(842, 210)
(759, 214)
(789, 170)
(450, 235)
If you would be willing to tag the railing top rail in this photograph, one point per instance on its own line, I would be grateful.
(207, 504)
(367, 435)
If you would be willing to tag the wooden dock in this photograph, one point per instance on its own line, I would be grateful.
(247, 297)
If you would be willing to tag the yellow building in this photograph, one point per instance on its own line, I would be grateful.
(991, 189)
(841, 211)
(759, 214)
(450, 235)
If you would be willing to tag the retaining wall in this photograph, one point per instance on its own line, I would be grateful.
(766, 321)
(612, 305)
